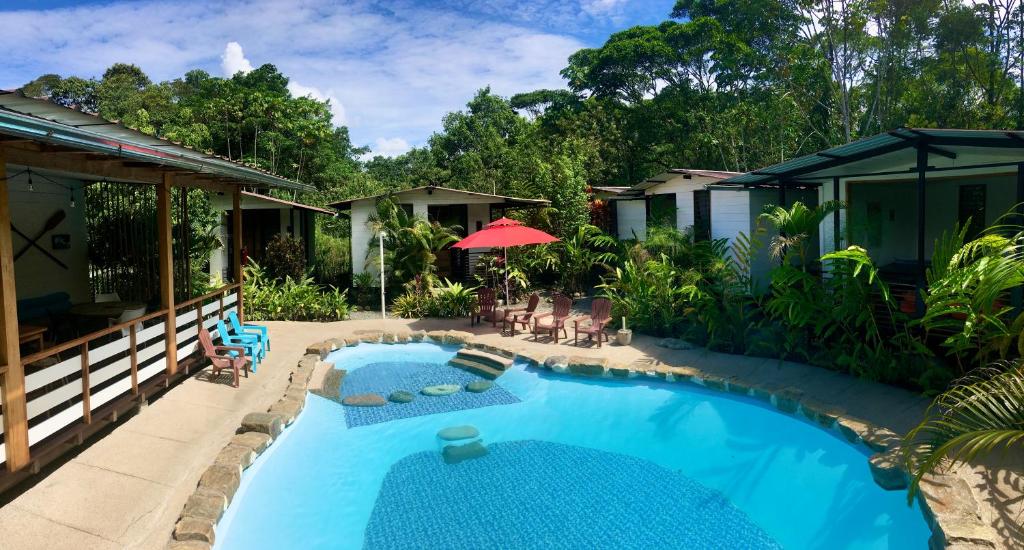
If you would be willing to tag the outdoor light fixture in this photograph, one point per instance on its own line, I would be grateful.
(31, 187)
(72, 197)
(383, 313)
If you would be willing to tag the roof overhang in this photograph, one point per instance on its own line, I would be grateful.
(38, 133)
(893, 156)
(255, 200)
(511, 202)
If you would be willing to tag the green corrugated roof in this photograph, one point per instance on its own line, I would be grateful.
(880, 144)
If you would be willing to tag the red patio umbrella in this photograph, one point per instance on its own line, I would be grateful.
(505, 232)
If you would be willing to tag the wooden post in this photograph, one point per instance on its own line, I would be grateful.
(133, 347)
(236, 239)
(86, 405)
(13, 381)
(166, 261)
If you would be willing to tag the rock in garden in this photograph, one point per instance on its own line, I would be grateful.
(364, 400)
(556, 360)
(401, 396)
(479, 386)
(675, 343)
(455, 433)
(442, 389)
(453, 454)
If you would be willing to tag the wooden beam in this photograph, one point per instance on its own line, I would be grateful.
(166, 261)
(236, 241)
(12, 383)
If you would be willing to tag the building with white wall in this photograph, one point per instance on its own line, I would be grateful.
(678, 197)
(901, 189)
(466, 209)
(263, 217)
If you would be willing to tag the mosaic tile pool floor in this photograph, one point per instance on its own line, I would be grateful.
(536, 494)
(386, 377)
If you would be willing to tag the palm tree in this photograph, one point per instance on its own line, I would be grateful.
(412, 243)
(795, 226)
(973, 419)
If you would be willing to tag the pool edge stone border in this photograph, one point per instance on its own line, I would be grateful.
(946, 500)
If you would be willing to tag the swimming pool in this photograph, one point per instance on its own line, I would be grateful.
(571, 463)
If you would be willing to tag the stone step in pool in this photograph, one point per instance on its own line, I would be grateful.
(490, 359)
(477, 368)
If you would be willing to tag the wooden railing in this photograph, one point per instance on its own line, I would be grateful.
(67, 385)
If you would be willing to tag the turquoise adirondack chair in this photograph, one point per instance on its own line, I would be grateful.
(259, 330)
(250, 342)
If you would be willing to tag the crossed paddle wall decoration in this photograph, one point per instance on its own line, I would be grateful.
(51, 223)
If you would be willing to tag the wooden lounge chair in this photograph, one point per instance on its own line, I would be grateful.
(554, 322)
(487, 308)
(233, 358)
(521, 315)
(600, 316)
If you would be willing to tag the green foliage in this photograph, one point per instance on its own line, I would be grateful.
(331, 258)
(448, 300)
(968, 294)
(411, 243)
(654, 295)
(268, 298)
(796, 227)
(580, 254)
(285, 256)
(982, 414)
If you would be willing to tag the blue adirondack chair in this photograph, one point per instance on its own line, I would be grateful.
(259, 330)
(250, 342)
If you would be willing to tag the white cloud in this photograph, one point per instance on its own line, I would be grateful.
(387, 147)
(337, 109)
(233, 60)
(389, 69)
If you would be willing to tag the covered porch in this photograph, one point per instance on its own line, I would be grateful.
(100, 307)
(902, 190)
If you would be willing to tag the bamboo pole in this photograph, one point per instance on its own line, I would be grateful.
(13, 380)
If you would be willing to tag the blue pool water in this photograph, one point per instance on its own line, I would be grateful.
(573, 463)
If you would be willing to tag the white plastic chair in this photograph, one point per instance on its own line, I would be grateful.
(107, 297)
(128, 315)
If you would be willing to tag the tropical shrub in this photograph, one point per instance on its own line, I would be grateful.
(330, 258)
(448, 300)
(580, 253)
(268, 298)
(284, 257)
(411, 243)
(981, 414)
(969, 285)
(653, 294)
(796, 227)
(490, 271)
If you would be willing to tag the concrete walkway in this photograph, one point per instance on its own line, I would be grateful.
(127, 489)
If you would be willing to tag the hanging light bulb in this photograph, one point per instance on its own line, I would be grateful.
(72, 198)
(30, 186)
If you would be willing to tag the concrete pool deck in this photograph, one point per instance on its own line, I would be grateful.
(127, 489)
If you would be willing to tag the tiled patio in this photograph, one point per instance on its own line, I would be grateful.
(127, 489)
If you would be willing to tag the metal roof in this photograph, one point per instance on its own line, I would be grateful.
(525, 202)
(46, 122)
(943, 142)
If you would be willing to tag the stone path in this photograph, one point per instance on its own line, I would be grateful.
(127, 489)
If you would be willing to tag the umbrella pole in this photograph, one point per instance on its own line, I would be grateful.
(508, 300)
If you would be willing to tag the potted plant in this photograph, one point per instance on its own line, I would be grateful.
(624, 336)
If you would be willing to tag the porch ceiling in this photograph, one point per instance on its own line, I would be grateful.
(41, 134)
(893, 156)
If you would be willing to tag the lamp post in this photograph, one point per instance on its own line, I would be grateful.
(383, 313)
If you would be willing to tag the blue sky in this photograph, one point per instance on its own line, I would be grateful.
(391, 69)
